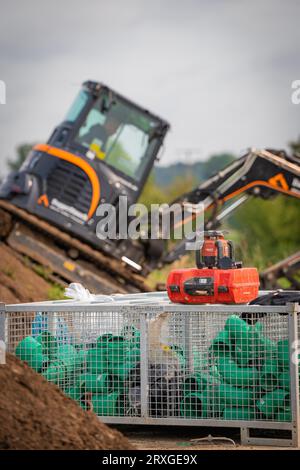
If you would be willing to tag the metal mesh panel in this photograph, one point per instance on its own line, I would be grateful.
(150, 363)
(94, 357)
(218, 366)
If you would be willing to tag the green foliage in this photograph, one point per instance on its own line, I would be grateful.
(159, 276)
(21, 154)
(268, 230)
(9, 272)
(56, 292)
(181, 185)
(216, 163)
(152, 194)
(264, 232)
(166, 176)
(42, 271)
(295, 147)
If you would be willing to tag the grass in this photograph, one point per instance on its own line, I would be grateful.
(56, 292)
(41, 271)
(285, 283)
(9, 272)
(159, 276)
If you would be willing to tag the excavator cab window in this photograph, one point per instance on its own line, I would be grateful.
(77, 106)
(117, 133)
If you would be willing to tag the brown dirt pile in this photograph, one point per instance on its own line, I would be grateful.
(18, 283)
(35, 414)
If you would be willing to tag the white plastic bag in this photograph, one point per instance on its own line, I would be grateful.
(76, 291)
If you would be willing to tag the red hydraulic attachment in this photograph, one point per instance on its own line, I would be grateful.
(218, 278)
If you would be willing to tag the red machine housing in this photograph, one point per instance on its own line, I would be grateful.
(213, 286)
(218, 278)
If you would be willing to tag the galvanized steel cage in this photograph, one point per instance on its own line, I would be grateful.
(139, 359)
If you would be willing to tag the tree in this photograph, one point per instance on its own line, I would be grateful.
(22, 151)
(216, 163)
(152, 194)
(268, 230)
(295, 147)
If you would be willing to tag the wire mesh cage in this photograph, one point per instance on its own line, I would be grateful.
(156, 362)
(93, 357)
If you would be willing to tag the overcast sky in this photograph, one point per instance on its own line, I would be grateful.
(220, 71)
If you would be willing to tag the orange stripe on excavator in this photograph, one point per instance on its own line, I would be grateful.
(70, 157)
(261, 183)
(241, 190)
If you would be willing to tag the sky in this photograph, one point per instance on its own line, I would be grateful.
(220, 71)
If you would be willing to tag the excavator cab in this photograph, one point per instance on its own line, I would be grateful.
(107, 128)
(105, 147)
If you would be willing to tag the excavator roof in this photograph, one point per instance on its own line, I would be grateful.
(95, 88)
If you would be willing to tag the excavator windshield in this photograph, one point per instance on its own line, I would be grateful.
(117, 133)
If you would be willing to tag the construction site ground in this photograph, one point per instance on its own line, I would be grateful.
(18, 281)
(180, 438)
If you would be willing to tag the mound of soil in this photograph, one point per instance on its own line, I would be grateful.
(35, 414)
(18, 283)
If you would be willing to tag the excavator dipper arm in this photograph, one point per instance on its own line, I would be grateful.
(259, 173)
